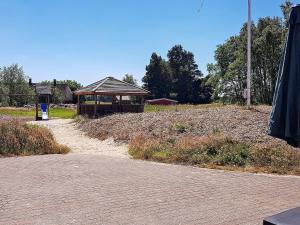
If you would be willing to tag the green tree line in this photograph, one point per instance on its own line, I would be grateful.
(14, 87)
(178, 77)
(16, 91)
(228, 75)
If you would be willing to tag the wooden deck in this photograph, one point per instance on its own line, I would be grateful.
(96, 110)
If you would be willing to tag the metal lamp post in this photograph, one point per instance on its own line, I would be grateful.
(249, 57)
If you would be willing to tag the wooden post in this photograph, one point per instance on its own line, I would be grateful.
(36, 107)
(78, 104)
(142, 104)
(48, 105)
(95, 106)
(120, 103)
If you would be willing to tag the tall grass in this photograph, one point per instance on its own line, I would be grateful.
(217, 150)
(157, 108)
(18, 138)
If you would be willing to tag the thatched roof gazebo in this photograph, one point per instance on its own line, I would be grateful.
(124, 97)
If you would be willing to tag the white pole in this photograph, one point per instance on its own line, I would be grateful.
(249, 57)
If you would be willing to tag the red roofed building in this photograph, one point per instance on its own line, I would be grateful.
(161, 101)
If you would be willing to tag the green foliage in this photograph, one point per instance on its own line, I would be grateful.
(157, 108)
(158, 77)
(57, 97)
(277, 158)
(228, 75)
(213, 149)
(73, 84)
(217, 150)
(178, 77)
(14, 81)
(129, 79)
(286, 9)
(185, 74)
(180, 128)
(233, 154)
(4, 98)
(64, 113)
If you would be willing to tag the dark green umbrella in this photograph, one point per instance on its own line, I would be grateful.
(285, 116)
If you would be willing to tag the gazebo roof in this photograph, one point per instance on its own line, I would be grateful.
(111, 86)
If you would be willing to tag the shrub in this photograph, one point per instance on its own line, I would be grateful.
(180, 128)
(211, 149)
(18, 138)
(217, 150)
(277, 158)
(233, 154)
(143, 147)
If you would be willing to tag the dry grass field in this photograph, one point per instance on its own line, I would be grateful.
(229, 137)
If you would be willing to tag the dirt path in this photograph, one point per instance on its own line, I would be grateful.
(65, 132)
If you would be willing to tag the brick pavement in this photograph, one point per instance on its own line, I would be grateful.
(93, 189)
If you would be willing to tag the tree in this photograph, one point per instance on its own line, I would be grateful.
(158, 77)
(184, 73)
(73, 84)
(57, 97)
(178, 77)
(4, 98)
(14, 81)
(202, 93)
(129, 79)
(286, 9)
(228, 75)
(267, 50)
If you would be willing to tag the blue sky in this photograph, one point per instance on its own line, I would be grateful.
(86, 40)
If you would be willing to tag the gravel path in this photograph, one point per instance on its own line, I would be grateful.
(66, 133)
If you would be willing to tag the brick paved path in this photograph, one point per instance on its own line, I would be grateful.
(93, 189)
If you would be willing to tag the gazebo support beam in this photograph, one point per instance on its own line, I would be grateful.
(36, 107)
(95, 106)
(78, 104)
(120, 103)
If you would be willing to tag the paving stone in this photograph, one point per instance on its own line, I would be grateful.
(94, 189)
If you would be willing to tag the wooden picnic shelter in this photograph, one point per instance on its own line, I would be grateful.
(124, 97)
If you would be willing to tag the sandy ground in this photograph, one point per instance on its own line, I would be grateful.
(66, 133)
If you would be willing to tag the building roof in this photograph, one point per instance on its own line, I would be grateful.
(43, 89)
(162, 99)
(65, 91)
(111, 86)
